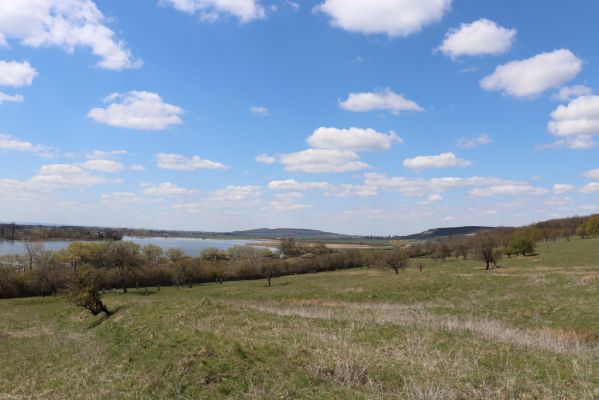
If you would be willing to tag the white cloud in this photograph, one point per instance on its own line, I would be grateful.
(138, 168)
(571, 92)
(257, 110)
(266, 159)
(576, 122)
(119, 198)
(508, 190)
(592, 174)
(350, 190)
(234, 193)
(576, 143)
(433, 198)
(137, 110)
(211, 10)
(294, 6)
(178, 162)
(16, 74)
(561, 188)
(352, 139)
(63, 176)
(592, 187)
(287, 202)
(322, 161)
(168, 189)
(108, 166)
(230, 196)
(68, 24)
(482, 37)
(443, 160)
(7, 98)
(533, 76)
(8, 142)
(474, 141)
(292, 184)
(391, 17)
(410, 187)
(381, 100)
(101, 154)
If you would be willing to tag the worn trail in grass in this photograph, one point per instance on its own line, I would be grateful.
(527, 330)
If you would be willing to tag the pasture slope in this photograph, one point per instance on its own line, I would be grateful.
(528, 330)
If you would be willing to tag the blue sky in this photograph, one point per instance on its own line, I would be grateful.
(341, 115)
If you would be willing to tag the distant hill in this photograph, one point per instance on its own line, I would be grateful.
(443, 232)
(289, 233)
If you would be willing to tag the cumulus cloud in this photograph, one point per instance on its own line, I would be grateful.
(292, 184)
(351, 190)
(288, 202)
(179, 162)
(482, 37)
(109, 166)
(535, 75)
(352, 139)
(64, 176)
(508, 190)
(16, 74)
(433, 198)
(571, 92)
(561, 188)
(137, 110)
(211, 10)
(391, 17)
(119, 198)
(257, 110)
(443, 160)
(266, 159)
(474, 141)
(101, 154)
(168, 189)
(412, 187)
(232, 195)
(68, 24)
(581, 142)
(9, 98)
(577, 122)
(322, 161)
(592, 187)
(138, 168)
(592, 174)
(8, 142)
(382, 100)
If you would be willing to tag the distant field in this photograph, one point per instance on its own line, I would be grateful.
(528, 330)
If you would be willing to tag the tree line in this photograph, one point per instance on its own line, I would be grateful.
(84, 269)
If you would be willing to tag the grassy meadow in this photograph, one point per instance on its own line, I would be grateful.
(528, 330)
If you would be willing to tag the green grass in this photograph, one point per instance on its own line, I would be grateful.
(527, 330)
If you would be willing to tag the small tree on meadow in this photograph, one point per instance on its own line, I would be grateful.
(592, 226)
(396, 260)
(125, 258)
(521, 245)
(84, 291)
(486, 248)
(462, 249)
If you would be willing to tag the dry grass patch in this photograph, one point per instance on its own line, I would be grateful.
(417, 315)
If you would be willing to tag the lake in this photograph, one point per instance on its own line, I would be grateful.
(191, 247)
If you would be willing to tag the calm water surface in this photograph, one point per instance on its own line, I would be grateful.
(191, 247)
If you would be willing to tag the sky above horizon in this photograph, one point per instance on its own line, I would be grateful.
(357, 117)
